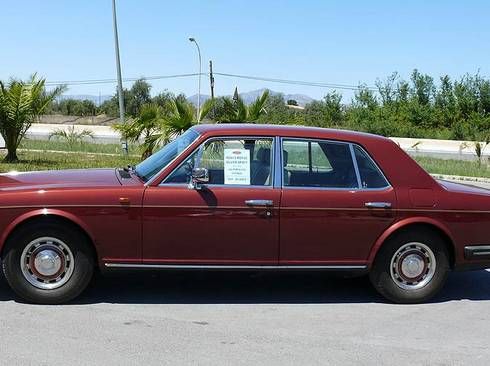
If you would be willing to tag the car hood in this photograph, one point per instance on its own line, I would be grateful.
(59, 179)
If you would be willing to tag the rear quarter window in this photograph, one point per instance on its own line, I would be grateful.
(370, 174)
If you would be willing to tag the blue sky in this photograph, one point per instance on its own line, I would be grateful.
(328, 41)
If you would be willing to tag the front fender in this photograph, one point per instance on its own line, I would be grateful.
(44, 212)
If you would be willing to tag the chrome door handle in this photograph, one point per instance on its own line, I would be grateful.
(261, 203)
(378, 204)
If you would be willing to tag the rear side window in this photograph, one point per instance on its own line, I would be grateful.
(310, 163)
(371, 176)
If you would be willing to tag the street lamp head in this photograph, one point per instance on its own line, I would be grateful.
(193, 40)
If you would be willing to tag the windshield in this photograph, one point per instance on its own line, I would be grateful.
(151, 166)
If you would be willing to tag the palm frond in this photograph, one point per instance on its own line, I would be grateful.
(180, 119)
(257, 108)
(241, 111)
(230, 114)
(71, 135)
(206, 108)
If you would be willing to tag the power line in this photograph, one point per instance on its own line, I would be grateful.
(113, 81)
(298, 82)
(237, 76)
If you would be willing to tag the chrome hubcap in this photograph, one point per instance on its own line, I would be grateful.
(413, 266)
(47, 263)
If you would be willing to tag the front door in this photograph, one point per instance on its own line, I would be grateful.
(335, 203)
(232, 220)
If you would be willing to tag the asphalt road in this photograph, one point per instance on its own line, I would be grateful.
(228, 318)
(248, 319)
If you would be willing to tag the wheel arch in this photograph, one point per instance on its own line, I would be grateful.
(60, 216)
(412, 224)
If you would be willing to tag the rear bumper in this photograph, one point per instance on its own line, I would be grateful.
(477, 252)
(476, 257)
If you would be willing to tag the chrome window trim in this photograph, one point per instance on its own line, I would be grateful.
(356, 166)
(354, 162)
(238, 137)
(176, 185)
(152, 179)
(353, 189)
(341, 189)
(376, 166)
(278, 172)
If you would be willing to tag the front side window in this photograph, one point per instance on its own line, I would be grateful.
(148, 168)
(318, 164)
(371, 176)
(230, 162)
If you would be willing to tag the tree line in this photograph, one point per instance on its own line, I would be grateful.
(418, 107)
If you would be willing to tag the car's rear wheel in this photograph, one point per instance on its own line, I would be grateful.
(411, 267)
(48, 263)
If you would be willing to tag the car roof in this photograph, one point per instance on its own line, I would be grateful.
(287, 131)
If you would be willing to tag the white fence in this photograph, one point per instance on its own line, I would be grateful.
(446, 149)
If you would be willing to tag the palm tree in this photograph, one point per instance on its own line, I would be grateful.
(235, 110)
(71, 135)
(144, 127)
(20, 103)
(157, 126)
(181, 116)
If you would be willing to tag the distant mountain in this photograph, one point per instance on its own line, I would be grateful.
(249, 97)
(93, 98)
(193, 98)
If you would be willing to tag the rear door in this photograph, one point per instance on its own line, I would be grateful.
(335, 203)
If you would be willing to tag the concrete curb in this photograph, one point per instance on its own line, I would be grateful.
(461, 178)
(78, 152)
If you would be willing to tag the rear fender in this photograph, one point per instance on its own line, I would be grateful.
(400, 225)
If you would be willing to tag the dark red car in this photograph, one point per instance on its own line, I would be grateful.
(252, 197)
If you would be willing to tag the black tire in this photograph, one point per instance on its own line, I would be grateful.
(83, 263)
(388, 285)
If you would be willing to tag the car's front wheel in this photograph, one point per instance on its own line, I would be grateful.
(411, 267)
(47, 263)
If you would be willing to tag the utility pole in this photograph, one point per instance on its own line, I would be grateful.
(124, 142)
(211, 78)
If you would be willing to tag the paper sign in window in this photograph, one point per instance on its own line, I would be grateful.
(237, 166)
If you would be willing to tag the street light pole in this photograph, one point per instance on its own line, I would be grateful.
(199, 80)
(124, 142)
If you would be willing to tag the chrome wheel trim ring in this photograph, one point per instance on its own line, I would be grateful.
(47, 263)
(413, 266)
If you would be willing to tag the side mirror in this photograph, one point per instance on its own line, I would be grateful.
(199, 177)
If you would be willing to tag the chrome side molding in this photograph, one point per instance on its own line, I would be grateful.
(233, 267)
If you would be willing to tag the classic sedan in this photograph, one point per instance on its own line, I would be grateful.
(245, 197)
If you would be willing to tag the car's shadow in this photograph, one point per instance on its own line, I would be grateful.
(253, 288)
